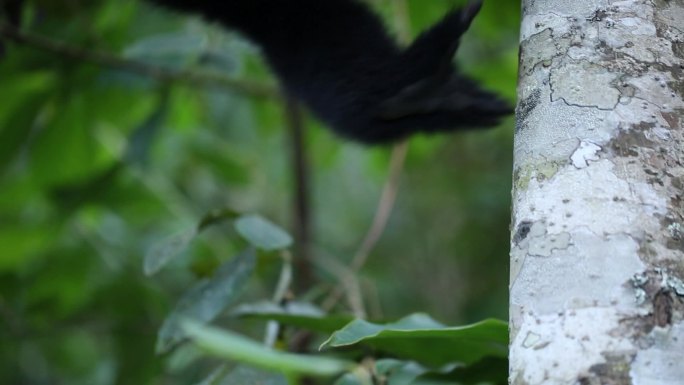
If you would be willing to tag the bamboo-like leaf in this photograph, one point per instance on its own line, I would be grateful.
(226, 344)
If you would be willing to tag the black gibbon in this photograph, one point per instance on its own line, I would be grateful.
(336, 57)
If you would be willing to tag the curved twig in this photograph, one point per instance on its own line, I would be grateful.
(390, 188)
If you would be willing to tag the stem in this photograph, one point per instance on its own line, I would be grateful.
(389, 190)
(382, 214)
(385, 206)
(301, 195)
(279, 294)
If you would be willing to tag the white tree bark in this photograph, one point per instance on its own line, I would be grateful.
(597, 251)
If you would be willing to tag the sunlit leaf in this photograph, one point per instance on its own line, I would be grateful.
(262, 233)
(65, 150)
(22, 244)
(207, 299)
(420, 338)
(229, 345)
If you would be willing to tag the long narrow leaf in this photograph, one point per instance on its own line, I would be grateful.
(225, 344)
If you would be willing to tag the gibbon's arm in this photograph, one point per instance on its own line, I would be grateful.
(336, 56)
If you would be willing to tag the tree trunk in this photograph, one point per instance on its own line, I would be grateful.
(597, 250)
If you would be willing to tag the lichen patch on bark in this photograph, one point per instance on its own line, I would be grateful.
(598, 194)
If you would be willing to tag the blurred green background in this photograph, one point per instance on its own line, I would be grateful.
(98, 163)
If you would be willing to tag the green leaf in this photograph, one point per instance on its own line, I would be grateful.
(142, 138)
(243, 375)
(216, 216)
(65, 151)
(425, 340)
(222, 60)
(384, 366)
(435, 381)
(22, 244)
(175, 49)
(207, 299)
(216, 375)
(16, 129)
(262, 233)
(23, 97)
(164, 251)
(490, 370)
(300, 314)
(399, 372)
(357, 377)
(349, 379)
(90, 190)
(225, 344)
(182, 358)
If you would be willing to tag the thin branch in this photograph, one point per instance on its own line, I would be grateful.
(389, 190)
(391, 187)
(250, 88)
(382, 214)
(348, 285)
(385, 206)
(279, 297)
(301, 196)
(285, 279)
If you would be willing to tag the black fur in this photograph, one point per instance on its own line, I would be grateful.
(336, 56)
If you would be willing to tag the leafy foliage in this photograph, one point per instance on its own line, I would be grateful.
(207, 298)
(106, 168)
(422, 339)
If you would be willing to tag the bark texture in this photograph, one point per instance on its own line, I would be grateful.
(597, 250)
